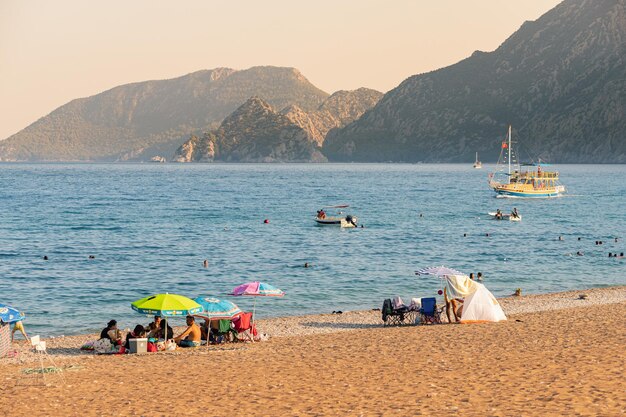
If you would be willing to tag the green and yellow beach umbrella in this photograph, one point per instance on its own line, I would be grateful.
(167, 305)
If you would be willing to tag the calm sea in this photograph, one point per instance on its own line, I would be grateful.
(150, 226)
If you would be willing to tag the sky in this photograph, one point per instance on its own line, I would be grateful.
(54, 51)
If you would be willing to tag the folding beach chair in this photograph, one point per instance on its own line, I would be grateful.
(429, 313)
(225, 330)
(392, 316)
(244, 327)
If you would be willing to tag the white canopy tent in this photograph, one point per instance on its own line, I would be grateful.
(480, 305)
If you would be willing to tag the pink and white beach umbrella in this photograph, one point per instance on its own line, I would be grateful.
(257, 289)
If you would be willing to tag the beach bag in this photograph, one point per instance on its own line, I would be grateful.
(88, 345)
(151, 347)
(103, 346)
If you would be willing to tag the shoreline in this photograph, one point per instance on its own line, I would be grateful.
(556, 355)
(318, 324)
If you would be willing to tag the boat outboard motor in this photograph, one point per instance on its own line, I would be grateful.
(350, 220)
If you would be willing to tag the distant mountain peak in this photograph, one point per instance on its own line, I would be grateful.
(139, 120)
(559, 80)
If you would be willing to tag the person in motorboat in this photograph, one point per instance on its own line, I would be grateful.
(514, 213)
(351, 220)
(321, 214)
(498, 215)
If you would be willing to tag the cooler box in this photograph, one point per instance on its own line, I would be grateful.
(138, 345)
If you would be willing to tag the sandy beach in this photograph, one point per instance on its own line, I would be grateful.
(556, 355)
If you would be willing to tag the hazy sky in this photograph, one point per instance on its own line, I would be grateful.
(52, 51)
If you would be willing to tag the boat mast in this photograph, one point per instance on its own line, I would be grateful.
(509, 154)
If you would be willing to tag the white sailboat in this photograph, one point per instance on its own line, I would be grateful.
(478, 164)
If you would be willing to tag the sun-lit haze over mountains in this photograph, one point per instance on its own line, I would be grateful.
(53, 52)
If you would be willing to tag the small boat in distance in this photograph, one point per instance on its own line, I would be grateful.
(533, 182)
(498, 215)
(322, 219)
(478, 164)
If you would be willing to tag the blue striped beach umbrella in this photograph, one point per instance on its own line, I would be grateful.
(215, 309)
(439, 271)
(10, 314)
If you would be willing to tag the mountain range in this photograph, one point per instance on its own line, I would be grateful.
(560, 81)
(137, 121)
(255, 132)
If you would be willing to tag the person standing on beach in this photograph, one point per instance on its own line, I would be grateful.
(451, 305)
(19, 326)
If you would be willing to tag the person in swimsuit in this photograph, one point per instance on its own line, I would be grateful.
(191, 336)
(19, 326)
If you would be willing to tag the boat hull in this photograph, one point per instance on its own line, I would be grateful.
(526, 190)
(337, 222)
(527, 194)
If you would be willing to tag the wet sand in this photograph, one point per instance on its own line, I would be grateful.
(556, 355)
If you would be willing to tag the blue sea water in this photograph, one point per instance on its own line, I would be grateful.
(150, 226)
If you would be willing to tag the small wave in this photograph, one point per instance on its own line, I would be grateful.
(107, 228)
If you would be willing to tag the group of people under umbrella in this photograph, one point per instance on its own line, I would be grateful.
(167, 306)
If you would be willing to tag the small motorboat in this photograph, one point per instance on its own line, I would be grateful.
(505, 216)
(322, 219)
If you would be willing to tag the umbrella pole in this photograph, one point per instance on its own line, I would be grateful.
(253, 319)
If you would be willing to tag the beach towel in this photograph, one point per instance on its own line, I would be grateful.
(104, 346)
(416, 304)
(460, 286)
(397, 303)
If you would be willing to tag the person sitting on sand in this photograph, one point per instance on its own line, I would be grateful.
(161, 332)
(151, 330)
(154, 327)
(138, 333)
(111, 326)
(191, 336)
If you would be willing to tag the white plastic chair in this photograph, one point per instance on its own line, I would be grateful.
(39, 347)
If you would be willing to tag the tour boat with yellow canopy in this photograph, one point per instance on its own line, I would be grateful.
(529, 182)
